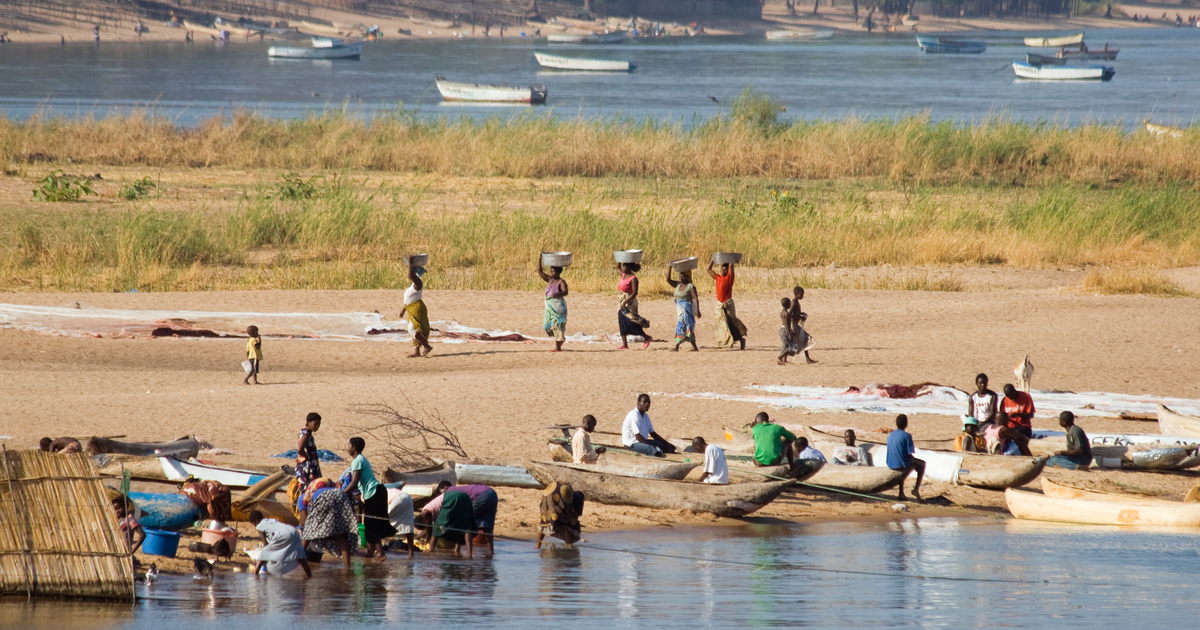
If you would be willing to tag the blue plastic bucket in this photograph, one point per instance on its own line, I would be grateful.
(160, 543)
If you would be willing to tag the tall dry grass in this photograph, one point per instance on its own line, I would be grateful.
(1131, 282)
(913, 150)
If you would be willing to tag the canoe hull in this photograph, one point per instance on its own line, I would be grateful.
(510, 476)
(1171, 423)
(1054, 42)
(643, 467)
(184, 448)
(950, 46)
(730, 501)
(800, 34)
(1034, 506)
(452, 91)
(1063, 73)
(176, 470)
(862, 479)
(572, 63)
(615, 37)
(350, 51)
(805, 469)
(431, 476)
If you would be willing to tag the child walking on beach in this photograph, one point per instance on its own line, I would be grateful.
(253, 354)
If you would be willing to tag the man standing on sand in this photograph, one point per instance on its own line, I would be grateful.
(1078, 455)
(637, 432)
(900, 451)
(1019, 407)
(581, 445)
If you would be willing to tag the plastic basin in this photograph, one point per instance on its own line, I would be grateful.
(211, 536)
(160, 543)
(556, 259)
(628, 256)
(417, 260)
(685, 264)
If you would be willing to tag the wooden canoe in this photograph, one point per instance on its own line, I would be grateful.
(1035, 506)
(429, 476)
(640, 466)
(994, 472)
(496, 475)
(183, 448)
(817, 435)
(1054, 42)
(805, 469)
(177, 470)
(731, 501)
(261, 497)
(861, 479)
(1171, 423)
(1064, 491)
(1130, 452)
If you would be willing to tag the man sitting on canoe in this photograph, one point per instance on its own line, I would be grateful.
(581, 445)
(1001, 439)
(772, 442)
(969, 441)
(1078, 455)
(715, 468)
(900, 449)
(805, 451)
(851, 454)
(637, 432)
(1019, 407)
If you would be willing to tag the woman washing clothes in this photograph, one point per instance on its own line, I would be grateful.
(687, 308)
(415, 311)
(628, 321)
(560, 511)
(555, 318)
(376, 524)
(328, 518)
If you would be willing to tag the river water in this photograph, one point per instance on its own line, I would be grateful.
(1157, 77)
(927, 573)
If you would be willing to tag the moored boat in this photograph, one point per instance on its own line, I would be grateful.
(612, 37)
(731, 500)
(185, 447)
(1171, 423)
(1044, 60)
(345, 51)
(799, 34)
(1062, 73)
(1095, 510)
(1108, 54)
(948, 45)
(453, 91)
(573, 63)
(628, 465)
(1054, 42)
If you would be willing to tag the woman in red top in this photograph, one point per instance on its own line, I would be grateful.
(729, 327)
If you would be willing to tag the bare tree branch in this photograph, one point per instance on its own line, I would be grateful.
(411, 440)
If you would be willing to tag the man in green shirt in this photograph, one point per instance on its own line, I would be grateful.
(772, 442)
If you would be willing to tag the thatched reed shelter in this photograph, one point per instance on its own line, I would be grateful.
(58, 534)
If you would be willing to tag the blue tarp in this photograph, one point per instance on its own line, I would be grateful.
(322, 454)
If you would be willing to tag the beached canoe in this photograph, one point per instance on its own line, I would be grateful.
(805, 469)
(948, 45)
(994, 472)
(176, 470)
(1063, 73)
(170, 512)
(1054, 42)
(492, 475)
(816, 435)
(621, 464)
(428, 476)
(799, 34)
(184, 448)
(1058, 490)
(261, 497)
(860, 479)
(1171, 423)
(346, 51)
(1036, 506)
(729, 501)
(614, 37)
(574, 63)
(1128, 451)
(454, 91)
(329, 30)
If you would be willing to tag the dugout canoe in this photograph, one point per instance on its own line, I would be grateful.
(816, 435)
(183, 448)
(1171, 423)
(799, 34)
(494, 475)
(1129, 451)
(861, 479)
(1035, 506)
(428, 476)
(1066, 491)
(628, 465)
(731, 501)
(261, 497)
(993, 472)
(615, 37)
(805, 469)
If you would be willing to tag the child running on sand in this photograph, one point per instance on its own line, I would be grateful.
(253, 354)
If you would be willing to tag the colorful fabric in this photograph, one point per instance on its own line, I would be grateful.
(1019, 409)
(685, 327)
(629, 322)
(211, 495)
(554, 321)
(789, 342)
(730, 329)
(308, 461)
(330, 515)
(419, 317)
(970, 443)
(456, 518)
(560, 511)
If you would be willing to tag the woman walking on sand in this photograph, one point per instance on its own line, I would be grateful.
(415, 311)
(308, 461)
(687, 308)
(555, 318)
(628, 321)
(730, 329)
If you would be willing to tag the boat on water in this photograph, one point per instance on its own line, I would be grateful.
(628, 465)
(1044, 60)
(178, 470)
(793, 34)
(612, 37)
(322, 48)
(1054, 42)
(730, 500)
(948, 45)
(1063, 504)
(1163, 130)
(453, 91)
(573, 63)
(1171, 423)
(1063, 73)
(1108, 54)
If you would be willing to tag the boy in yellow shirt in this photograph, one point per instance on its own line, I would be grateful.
(253, 354)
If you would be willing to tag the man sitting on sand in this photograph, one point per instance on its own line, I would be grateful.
(772, 442)
(969, 441)
(61, 445)
(1078, 455)
(637, 432)
(581, 445)
(715, 468)
(900, 449)
(850, 454)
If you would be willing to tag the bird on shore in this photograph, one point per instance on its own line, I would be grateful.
(203, 568)
(152, 573)
(1024, 374)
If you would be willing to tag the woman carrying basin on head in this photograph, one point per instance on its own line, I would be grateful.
(415, 311)
(629, 321)
(554, 320)
(687, 308)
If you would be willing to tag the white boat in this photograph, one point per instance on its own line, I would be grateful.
(573, 63)
(348, 51)
(1054, 42)
(799, 33)
(1063, 73)
(452, 91)
(328, 42)
(614, 37)
(177, 470)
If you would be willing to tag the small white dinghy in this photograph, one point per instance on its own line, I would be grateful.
(573, 63)
(322, 48)
(1063, 73)
(615, 37)
(452, 91)
(799, 33)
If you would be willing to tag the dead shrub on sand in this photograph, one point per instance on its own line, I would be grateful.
(409, 440)
(1131, 282)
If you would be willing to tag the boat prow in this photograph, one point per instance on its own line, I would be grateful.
(1171, 423)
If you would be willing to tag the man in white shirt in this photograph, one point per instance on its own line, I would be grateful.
(637, 432)
(804, 451)
(581, 444)
(850, 454)
(715, 468)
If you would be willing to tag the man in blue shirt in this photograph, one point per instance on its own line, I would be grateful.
(900, 451)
